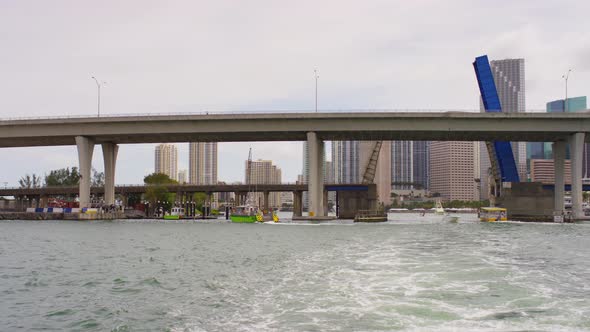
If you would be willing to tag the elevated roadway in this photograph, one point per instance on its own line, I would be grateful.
(433, 126)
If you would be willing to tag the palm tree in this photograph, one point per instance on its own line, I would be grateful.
(29, 181)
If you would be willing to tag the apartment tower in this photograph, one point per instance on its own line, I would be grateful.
(410, 165)
(263, 172)
(453, 170)
(166, 160)
(203, 163)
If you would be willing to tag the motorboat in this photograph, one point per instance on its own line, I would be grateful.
(492, 214)
(438, 208)
(175, 214)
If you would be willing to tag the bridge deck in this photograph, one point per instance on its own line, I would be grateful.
(460, 126)
(242, 188)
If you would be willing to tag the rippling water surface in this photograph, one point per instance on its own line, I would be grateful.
(419, 275)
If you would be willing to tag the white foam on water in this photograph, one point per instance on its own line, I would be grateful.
(388, 287)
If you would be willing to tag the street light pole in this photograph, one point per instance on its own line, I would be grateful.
(98, 85)
(315, 74)
(566, 76)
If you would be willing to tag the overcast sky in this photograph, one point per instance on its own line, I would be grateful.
(189, 56)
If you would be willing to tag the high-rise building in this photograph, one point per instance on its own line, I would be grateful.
(574, 104)
(410, 164)
(345, 161)
(453, 170)
(203, 163)
(328, 172)
(543, 170)
(509, 77)
(263, 172)
(182, 176)
(166, 160)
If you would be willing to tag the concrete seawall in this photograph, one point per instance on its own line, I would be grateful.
(62, 216)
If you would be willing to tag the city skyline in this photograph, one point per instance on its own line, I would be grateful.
(404, 65)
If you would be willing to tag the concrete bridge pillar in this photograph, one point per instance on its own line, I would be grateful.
(85, 149)
(577, 151)
(43, 201)
(124, 200)
(325, 202)
(559, 161)
(297, 203)
(266, 204)
(17, 203)
(109, 151)
(316, 174)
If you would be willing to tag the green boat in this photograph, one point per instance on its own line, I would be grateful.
(245, 214)
(243, 218)
(175, 214)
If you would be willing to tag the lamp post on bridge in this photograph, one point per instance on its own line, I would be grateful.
(566, 76)
(98, 85)
(316, 76)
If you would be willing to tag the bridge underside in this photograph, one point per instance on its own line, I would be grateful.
(285, 136)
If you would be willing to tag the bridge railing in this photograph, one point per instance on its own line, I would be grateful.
(170, 184)
(253, 112)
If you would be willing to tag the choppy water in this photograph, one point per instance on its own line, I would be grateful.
(418, 275)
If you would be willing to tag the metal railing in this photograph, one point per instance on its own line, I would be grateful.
(169, 184)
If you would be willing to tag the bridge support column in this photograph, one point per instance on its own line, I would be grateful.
(297, 203)
(109, 151)
(124, 200)
(85, 149)
(43, 201)
(325, 202)
(577, 152)
(266, 204)
(316, 175)
(559, 170)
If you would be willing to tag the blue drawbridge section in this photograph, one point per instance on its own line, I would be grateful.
(491, 103)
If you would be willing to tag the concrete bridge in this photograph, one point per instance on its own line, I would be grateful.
(85, 133)
(37, 197)
(189, 188)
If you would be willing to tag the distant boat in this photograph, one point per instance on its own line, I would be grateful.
(175, 214)
(492, 214)
(438, 208)
(245, 214)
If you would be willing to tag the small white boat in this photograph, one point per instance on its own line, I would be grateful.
(438, 208)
